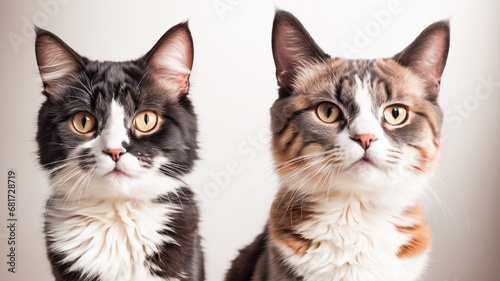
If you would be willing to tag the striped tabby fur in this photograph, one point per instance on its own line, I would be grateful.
(348, 207)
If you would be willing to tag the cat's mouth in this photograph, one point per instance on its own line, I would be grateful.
(365, 160)
(116, 172)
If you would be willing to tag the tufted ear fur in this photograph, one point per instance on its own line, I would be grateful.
(56, 61)
(292, 47)
(171, 59)
(427, 55)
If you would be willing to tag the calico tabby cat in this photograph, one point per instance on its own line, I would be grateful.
(354, 144)
(116, 138)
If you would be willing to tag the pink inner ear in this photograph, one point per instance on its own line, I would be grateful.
(287, 52)
(172, 63)
(283, 48)
(184, 88)
(431, 63)
(54, 61)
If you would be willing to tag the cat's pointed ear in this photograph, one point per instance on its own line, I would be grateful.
(292, 47)
(171, 59)
(56, 60)
(427, 55)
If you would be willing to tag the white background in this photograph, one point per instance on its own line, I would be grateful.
(233, 87)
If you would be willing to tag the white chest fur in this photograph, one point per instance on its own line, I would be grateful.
(353, 242)
(109, 239)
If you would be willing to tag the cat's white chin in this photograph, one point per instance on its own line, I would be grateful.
(117, 173)
(118, 185)
(363, 165)
(117, 179)
(366, 174)
(364, 169)
(125, 179)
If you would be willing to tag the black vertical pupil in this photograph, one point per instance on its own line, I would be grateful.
(395, 113)
(329, 111)
(146, 118)
(84, 121)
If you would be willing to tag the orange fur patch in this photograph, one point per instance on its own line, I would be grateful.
(286, 215)
(419, 232)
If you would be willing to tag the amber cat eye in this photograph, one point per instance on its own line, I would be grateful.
(83, 122)
(327, 112)
(146, 121)
(396, 114)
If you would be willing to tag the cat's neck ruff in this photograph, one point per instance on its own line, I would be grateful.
(111, 237)
(350, 230)
(112, 240)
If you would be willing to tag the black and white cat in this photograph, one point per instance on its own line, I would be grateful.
(116, 139)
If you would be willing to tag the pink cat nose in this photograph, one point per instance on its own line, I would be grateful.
(364, 140)
(115, 153)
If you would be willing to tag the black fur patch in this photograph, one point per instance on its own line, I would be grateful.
(92, 86)
(186, 253)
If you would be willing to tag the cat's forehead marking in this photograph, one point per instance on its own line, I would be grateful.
(338, 76)
(363, 97)
(316, 77)
(115, 131)
(365, 121)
